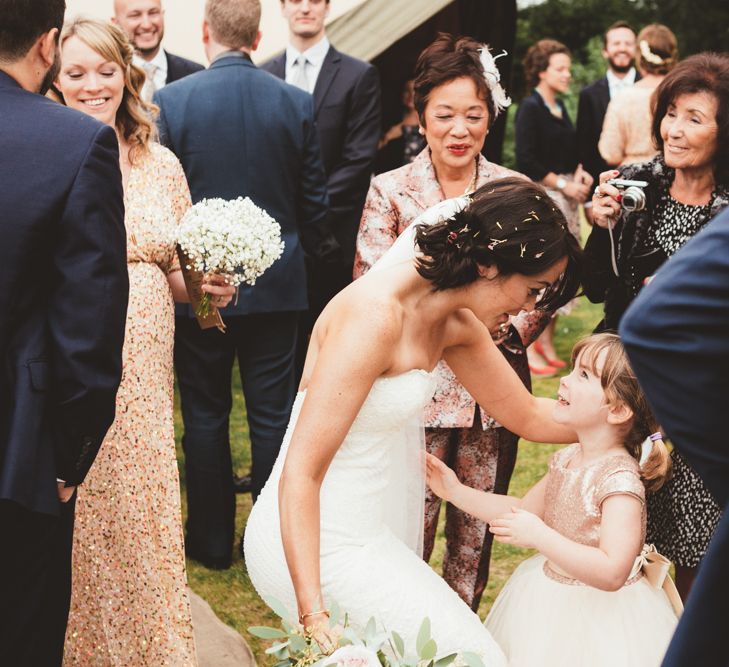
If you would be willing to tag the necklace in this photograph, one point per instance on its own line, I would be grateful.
(472, 183)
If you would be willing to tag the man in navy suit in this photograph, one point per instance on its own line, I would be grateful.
(239, 131)
(63, 299)
(619, 52)
(675, 333)
(144, 23)
(347, 110)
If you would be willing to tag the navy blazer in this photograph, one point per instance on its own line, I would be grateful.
(675, 333)
(179, 67)
(347, 110)
(543, 142)
(593, 104)
(240, 132)
(63, 293)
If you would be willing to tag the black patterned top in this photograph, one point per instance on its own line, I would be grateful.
(643, 239)
(677, 222)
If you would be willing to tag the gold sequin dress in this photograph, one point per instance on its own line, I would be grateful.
(129, 603)
(545, 618)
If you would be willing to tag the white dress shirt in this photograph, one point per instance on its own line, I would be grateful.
(617, 84)
(158, 80)
(314, 59)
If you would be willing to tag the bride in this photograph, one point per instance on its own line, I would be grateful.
(338, 519)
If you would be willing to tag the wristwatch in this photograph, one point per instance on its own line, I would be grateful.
(561, 183)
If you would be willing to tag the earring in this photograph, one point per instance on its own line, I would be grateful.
(421, 131)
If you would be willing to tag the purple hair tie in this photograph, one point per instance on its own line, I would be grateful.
(656, 436)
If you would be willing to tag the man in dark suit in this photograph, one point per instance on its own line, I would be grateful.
(239, 131)
(676, 336)
(144, 23)
(619, 52)
(63, 299)
(347, 109)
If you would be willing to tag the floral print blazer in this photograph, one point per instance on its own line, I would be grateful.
(394, 200)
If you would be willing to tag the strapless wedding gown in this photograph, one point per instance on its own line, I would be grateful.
(365, 568)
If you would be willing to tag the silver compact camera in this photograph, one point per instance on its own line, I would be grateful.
(632, 191)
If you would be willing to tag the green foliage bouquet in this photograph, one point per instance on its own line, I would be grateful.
(376, 647)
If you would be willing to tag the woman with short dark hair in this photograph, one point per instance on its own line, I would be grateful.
(687, 185)
(457, 102)
(347, 487)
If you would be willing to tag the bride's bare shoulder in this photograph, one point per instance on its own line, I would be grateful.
(463, 328)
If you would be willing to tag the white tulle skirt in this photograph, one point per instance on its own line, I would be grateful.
(539, 621)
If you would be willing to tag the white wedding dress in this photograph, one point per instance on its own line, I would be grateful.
(365, 568)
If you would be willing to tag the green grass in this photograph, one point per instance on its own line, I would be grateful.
(230, 592)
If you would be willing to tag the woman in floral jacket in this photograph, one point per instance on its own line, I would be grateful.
(687, 185)
(456, 104)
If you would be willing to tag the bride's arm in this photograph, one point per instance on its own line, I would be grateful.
(356, 350)
(488, 377)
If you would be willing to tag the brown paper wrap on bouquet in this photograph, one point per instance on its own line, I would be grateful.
(193, 283)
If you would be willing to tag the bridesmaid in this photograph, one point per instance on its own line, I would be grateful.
(129, 602)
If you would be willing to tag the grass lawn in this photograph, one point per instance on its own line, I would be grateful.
(230, 592)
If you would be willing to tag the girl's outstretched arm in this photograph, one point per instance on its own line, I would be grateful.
(605, 567)
(481, 504)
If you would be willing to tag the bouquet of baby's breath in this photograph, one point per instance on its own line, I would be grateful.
(293, 647)
(235, 238)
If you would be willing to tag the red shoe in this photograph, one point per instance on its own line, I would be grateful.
(544, 371)
(554, 362)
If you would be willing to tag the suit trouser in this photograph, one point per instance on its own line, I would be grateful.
(264, 344)
(324, 281)
(485, 461)
(35, 584)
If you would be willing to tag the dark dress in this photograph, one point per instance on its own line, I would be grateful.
(683, 515)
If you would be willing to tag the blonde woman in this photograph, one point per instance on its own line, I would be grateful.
(129, 603)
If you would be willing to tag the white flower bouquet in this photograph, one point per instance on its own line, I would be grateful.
(293, 647)
(234, 238)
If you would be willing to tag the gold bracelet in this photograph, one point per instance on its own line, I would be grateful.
(313, 613)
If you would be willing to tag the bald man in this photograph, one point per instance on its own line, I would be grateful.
(144, 23)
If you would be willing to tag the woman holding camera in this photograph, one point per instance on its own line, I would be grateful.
(687, 184)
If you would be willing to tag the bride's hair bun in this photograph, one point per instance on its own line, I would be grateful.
(511, 223)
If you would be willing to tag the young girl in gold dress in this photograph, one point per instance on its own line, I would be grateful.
(590, 597)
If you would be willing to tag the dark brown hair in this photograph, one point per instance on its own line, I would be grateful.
(511, 223)
(663, 47)
(615, 26)
(22, 22)
(537, 58)
(446, 59)
(621, 386)
(704, 72)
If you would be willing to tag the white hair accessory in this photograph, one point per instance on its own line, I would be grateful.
(648, 55)
(493, 76)
(442, 211)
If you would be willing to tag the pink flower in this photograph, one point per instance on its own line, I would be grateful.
(353, 656)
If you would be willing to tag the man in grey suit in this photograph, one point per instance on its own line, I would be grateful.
(239, 132)
(347, 110)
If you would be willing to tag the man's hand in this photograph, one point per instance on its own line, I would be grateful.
(65, 493)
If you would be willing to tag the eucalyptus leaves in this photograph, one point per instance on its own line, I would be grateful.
(376, 647)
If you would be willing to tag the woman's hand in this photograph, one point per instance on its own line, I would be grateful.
(441, 479)
(220, 291)
(580, 185)
(519, 527)
(317, 627)
(606, 201)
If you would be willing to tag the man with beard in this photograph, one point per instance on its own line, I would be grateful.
(63, 300)
(144, 23)
(619, 52)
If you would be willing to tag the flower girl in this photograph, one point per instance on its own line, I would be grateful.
(591, 596)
